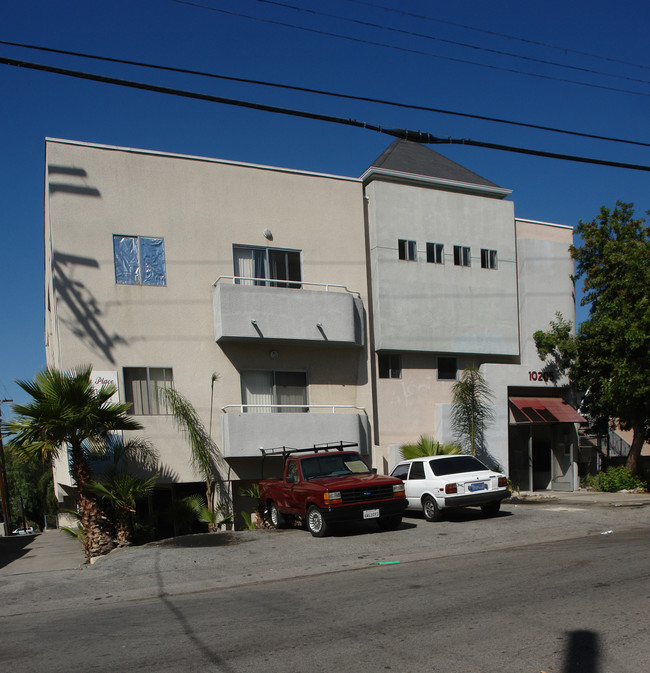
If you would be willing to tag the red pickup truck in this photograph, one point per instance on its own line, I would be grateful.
(329, 484)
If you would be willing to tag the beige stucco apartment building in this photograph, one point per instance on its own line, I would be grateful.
(294, 308)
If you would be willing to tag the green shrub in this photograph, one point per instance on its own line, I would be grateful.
(615, 479)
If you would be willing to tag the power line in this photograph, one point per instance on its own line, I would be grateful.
(407, 50)
(566, 50)
(415, 136)
(321, 92)
(466, 45)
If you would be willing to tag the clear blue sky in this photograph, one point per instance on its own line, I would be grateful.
(416, 70)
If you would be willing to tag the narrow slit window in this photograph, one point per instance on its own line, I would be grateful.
(407, 250)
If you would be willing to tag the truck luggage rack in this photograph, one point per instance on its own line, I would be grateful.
(286, 451)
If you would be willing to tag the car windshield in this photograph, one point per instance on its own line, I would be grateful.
(456, 464)
(333, 465)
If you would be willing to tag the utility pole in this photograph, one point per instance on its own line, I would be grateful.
(4, 487)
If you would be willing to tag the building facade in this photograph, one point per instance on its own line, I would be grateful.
(294, 308)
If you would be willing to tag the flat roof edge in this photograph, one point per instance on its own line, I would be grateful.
(546, 224)
(192, 157)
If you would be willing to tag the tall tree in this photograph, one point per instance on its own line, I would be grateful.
(205, 457)
(471, 410)
(67, 411)
(609, 359)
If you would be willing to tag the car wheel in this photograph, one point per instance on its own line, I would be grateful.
(390, 522)
(430, 508)
(277, 518)
(491, 508)
(315, 522)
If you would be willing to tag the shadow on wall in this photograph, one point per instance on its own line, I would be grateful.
(85, 320)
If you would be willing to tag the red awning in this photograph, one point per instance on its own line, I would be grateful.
(543, 410)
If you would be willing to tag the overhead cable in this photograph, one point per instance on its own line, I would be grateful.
(407, 50)
(321, 92)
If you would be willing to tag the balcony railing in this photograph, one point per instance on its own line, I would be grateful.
(282, 283)
(242, 408)
(317, 313)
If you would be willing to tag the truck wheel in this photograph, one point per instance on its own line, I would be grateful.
(491, 508)
(430, 508)
(390, 522)
(277, 518)
(315, 522)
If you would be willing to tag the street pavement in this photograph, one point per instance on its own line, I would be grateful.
(48, 570)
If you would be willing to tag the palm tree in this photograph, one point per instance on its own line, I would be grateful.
(205, 457)
(427, 446)
(66, 409)
(471, 410)
(122, 491)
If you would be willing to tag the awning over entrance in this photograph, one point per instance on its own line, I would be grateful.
(542, 410)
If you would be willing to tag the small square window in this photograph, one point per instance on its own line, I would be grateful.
(407, 250)
(139, 260)
(488, 259)
(462, 255)
(390, 366)
(143, 388)
(447, 369)
(435, 253)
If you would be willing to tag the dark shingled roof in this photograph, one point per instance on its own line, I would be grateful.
(408, 157)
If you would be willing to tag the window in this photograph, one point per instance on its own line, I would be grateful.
(488, 259)
(462, 255)
(264, 390)
(143, 386)
(435, 253)
(266, 266)
(139, 260)
(292, 471)
(390, 366)
(447, 369)
(406, 250)
(417, 471)
(401, 471)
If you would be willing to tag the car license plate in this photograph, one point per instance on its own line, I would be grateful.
(370, 513)
(477, 487)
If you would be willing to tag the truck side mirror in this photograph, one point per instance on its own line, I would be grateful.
(290, 479)
(374, 470)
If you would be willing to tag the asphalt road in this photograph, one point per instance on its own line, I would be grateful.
(542, 588)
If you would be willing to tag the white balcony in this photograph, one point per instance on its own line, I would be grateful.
(245, 432)
(325, 314)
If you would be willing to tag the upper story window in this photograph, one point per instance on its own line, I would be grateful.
(435, 253)
(139, 260)
(274, 267)
(143, 386)
(406, 250)
(462, 255)
(263, 391)
(390, 366)
(447, 369)
(488, 259)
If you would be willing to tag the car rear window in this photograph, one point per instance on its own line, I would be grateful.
(455, 464)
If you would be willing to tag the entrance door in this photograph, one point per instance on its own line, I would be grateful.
(562, 465)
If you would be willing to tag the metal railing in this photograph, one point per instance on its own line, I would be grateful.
(275, 282)
(333, 407)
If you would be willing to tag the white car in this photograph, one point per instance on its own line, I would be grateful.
(24, 531)
(436, 483)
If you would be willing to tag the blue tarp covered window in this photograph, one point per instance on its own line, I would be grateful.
(139, 260)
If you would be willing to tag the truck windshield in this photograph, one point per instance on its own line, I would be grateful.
(333, 465)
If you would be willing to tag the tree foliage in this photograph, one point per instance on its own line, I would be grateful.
(427, 446)
(471, 411)
(67, 411)
(609, 358)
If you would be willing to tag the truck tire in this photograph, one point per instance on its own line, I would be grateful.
(315, 522)
(390, 522)
(278, 520)
(491, 508)
(430, 508)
